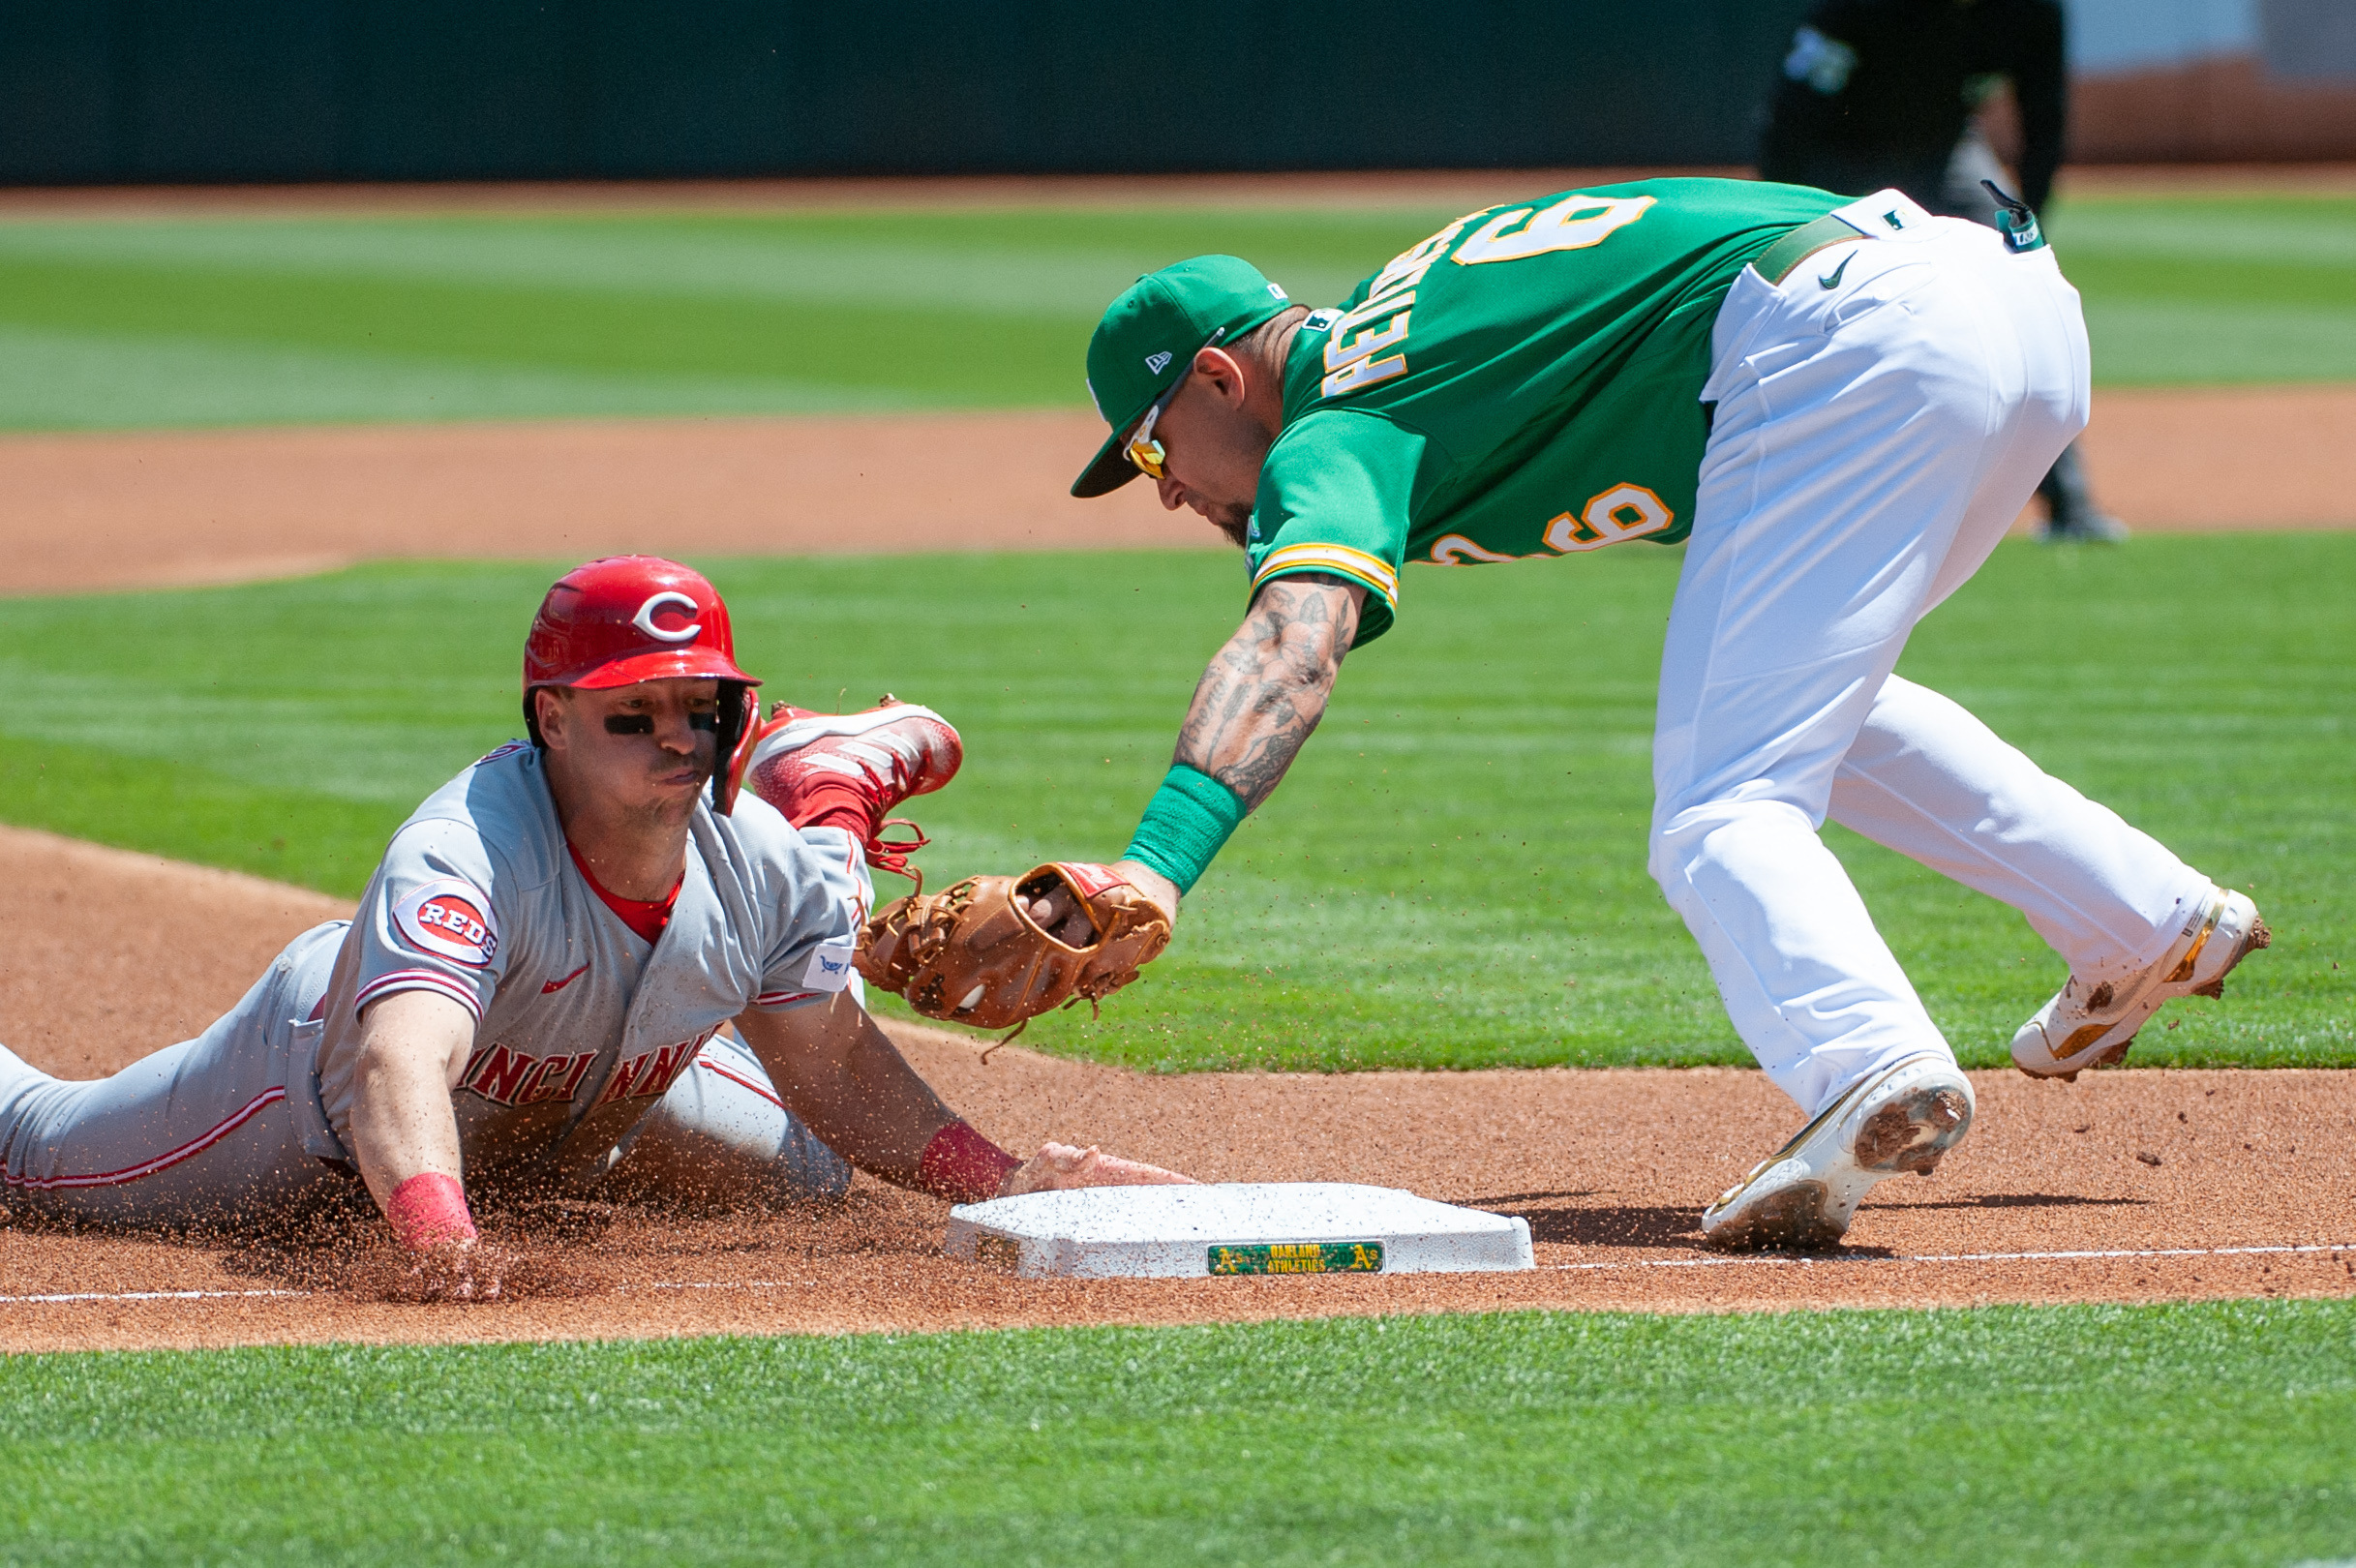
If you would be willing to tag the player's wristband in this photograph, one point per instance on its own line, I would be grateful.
(429, 1208)
(962, 1165)
(1188, 822)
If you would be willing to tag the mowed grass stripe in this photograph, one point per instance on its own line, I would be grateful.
(1039, 264)
(73, 380)
(928, 355)
(1454, 874)
(2220, 290)
(213, 321)
(958, 309)
(2219, 1433)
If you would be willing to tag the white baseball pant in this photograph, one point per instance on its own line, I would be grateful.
(1871, 443)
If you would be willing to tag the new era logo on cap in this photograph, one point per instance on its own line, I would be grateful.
(1157, 363)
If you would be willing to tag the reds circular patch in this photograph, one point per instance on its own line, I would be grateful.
(451, 918)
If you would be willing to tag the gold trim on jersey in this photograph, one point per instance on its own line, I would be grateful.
(1573, 224)
(1361, 374)
(1370, 340)
(1351, 365)
(1455, 550)
(1340, 560)
(1599, 522)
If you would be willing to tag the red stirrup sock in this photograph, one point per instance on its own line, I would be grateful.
(962, 1165)
(834, 804)
(430, 1208)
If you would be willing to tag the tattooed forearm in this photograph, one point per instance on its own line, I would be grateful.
(1266, 689)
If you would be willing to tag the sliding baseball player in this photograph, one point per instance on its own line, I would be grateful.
(533, 996)
(1837, 407)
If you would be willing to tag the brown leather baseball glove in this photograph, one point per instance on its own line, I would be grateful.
(992, 952)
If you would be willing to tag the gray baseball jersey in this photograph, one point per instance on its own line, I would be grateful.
(581, 1024)
(586, 1033)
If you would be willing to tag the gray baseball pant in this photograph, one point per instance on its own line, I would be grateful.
(226, 1128)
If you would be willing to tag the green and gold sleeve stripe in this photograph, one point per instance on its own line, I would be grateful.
(1341, 560)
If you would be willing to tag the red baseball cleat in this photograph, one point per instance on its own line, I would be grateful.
(848, 770)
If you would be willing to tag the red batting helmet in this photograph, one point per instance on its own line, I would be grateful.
(627, 619)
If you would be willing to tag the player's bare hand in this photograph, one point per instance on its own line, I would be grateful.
(451, 1271)
(1059, 914)
(1059, 1166)
(1159, 890)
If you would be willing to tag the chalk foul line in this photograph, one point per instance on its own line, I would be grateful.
(1845, 1259)
(1779, 1261)
(69, 1297)
(143, 1295)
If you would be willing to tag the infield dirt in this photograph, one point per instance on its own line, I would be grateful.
(2126, 1185)
(97, 511)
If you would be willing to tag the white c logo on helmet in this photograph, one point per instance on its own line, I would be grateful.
(644, 620)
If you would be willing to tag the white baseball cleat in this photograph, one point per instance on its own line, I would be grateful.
(1801, 1197)
(2092, 1026)
(887, 754)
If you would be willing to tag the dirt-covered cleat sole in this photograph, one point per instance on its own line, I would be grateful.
(1801, 1199)
(2090, 1025)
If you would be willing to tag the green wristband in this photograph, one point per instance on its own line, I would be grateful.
(1186, 824)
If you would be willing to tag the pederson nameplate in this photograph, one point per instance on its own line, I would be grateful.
(1299, 1257)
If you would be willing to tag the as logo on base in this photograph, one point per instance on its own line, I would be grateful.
(1298, 1258)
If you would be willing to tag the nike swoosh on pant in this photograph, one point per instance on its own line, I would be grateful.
(1833, 278)
(554, 986)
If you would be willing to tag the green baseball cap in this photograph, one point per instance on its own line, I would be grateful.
(1151, 335)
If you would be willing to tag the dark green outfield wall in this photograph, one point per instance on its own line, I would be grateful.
(96, 91)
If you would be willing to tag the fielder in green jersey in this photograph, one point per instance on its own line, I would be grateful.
(1524, 382)
(1837, 406)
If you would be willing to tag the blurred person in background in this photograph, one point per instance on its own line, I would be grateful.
(1878, 93)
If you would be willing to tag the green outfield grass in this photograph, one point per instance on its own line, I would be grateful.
(1454, 874)
(2198, 290)
(2222, 1433)
(222, 321)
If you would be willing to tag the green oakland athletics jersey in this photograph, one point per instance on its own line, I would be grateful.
(1524, 382)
